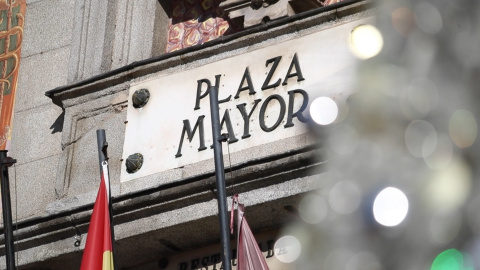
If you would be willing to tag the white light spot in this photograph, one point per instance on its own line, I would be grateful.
(390, 207)
(366, 41)
(344, 197)
(323, 110)
(313, 209)
(287, 249)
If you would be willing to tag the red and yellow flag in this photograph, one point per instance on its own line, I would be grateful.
(98, 249)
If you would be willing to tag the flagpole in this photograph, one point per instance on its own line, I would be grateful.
(220, 179)
(7, 209)
(102, 157)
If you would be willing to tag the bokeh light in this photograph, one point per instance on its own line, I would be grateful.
(337, 259)
(390, 207)
(420, 138)
(445, 226)
(449, 188)
(428, 18)
(313, 209)
(366, 41)
(343, 139)
(418, 99)
(323, 110)
(411, 128)
(344, 197)
(474, 215)
(463, 128)
(374, 152)
(450, 259)
(442, 155)
(403, 20)
(364, 261)
(287, 249)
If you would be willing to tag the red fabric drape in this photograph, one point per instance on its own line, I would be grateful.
(249, 255)
(98, 249)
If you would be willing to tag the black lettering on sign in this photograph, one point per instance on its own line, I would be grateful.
(212, 260)
(298, 71)
(217, 84)
(271, 251)
(201, 95)
(298, 114)
(199, 92)
(195, 264)
(226, 119)
(275, 62)
(183, 266)
(190, 133)
(249, 86)
(246, 84)
(246, 117)
(231, 134)
(215, 259)
(234, 259)
(205, 261)
(280, 115)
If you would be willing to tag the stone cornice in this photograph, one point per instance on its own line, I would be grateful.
(242, 39)
(257, 11)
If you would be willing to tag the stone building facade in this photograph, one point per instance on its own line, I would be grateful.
(81, 63)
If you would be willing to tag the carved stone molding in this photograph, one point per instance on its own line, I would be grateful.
(257, 11)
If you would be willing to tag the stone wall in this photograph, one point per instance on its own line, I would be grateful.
(86, 54)
(66, 42)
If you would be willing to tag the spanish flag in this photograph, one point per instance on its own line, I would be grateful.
(98, 253)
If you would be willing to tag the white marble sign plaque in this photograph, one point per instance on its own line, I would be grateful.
(263, 91)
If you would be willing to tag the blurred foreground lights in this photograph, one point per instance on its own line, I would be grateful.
(473, 216)
(363, 261)
(343, 139)
(449, 188)
(365, 41)
(428, 18)
(337, 259)
(344, 197)
(323, 110)
(313, 209)
(442, 156)
(445, 226)
(418, 99)
(452, 259)
(390, 207)
(463, 128)
(287, 249)
(403, 20)
(420, 138)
